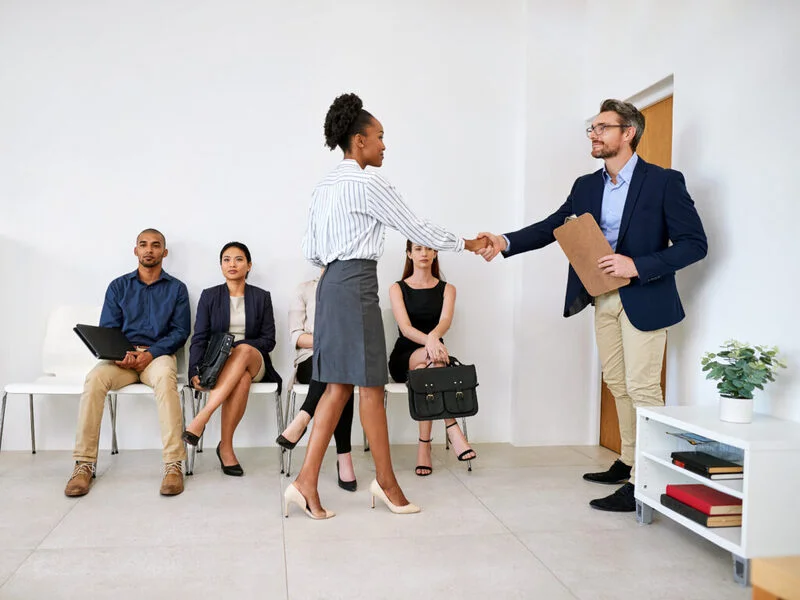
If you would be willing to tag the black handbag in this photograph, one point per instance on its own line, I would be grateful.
(217, 352)
(443, 392)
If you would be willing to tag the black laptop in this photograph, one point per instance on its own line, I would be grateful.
(106, 343)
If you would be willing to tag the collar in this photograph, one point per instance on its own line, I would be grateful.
(135, 275)
(625, 173)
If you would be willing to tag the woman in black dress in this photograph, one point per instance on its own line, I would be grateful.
(423, 305)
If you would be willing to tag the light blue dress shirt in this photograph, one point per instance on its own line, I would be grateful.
(614, 196)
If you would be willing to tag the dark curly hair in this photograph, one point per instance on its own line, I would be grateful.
(346, 117)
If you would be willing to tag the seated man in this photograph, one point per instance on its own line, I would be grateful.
(152, 309)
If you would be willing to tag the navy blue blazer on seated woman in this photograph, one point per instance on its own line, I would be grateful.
(658, 210)
(214, 315)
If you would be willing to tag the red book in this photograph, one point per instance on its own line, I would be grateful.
(705, 499)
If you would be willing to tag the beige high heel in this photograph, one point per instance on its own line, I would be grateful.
(293, 495)
(376, 491)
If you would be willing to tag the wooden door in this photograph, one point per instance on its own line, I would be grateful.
(654, 147)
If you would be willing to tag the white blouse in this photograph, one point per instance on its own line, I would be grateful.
(238, 320)
(350, 210)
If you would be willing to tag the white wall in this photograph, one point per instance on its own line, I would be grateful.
(204, 119)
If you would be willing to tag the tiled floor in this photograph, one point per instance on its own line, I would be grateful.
(518, 526)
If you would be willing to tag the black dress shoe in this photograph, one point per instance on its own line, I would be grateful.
(349, 486)
(620, 501)
(618, 473)
(232, 470)
(284, 443)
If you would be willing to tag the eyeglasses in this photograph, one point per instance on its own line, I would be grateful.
(600, 129)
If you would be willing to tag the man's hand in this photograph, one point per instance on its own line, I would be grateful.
(476, 245)
(129, 361)
(495, 245)
(142, 360)
(618, 265)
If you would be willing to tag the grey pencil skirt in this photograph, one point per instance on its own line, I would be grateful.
(349, 343)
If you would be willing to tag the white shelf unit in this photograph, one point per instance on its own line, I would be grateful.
(769, 450)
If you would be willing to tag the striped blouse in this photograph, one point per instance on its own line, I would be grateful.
(350, 210)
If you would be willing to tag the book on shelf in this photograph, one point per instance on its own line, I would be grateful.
(705, 499)
(711, 464)
(700, 517)
(704, 473)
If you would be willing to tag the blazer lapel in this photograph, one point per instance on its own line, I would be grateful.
(596, 195)
(249, 311)
(637, 180)
(224, 308)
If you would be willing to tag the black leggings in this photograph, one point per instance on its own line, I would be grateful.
(344, 427)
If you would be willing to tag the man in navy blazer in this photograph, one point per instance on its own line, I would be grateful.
(648, 217)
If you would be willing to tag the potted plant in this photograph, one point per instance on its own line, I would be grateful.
(740, 369)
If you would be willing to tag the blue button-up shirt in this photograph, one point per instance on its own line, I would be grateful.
(614, 196)
(155, 315)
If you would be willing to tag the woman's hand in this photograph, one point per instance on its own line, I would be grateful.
(196, 383)
(437, 352)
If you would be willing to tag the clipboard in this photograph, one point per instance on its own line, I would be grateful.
(582, 241)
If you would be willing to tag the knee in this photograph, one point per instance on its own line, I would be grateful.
(99, 378)
(243, 352)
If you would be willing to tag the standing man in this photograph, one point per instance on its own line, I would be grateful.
(640, 208)
(152, 309)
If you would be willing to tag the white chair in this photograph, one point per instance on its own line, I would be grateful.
(391, 333)
(199, 399)
(65, 361)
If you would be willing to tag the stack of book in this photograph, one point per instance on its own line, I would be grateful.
(703, 505)
(707, 465)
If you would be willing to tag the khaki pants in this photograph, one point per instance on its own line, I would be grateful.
(631, 361)
(161, 375)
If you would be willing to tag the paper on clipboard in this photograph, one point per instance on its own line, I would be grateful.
(582, 241)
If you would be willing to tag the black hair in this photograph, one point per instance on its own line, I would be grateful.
(154, 232)
(241, 247)
(346, 117)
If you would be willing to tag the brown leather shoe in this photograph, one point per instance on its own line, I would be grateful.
(172, 484)
(81, 479)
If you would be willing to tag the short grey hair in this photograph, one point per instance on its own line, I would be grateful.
(629, 116)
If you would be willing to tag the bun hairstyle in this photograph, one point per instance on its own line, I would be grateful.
(346, 117)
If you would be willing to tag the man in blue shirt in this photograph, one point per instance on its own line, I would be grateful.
(650, 222)
(152, 309)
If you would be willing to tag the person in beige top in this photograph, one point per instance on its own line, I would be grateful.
(301, 331)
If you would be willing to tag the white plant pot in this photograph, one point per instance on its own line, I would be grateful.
(736, 410)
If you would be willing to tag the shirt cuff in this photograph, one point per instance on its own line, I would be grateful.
(508, 242)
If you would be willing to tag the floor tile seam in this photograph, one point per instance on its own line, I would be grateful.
(19, 566)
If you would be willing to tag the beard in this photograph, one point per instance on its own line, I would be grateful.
(604, 152)
(149, 262)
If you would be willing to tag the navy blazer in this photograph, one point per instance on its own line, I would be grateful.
(214, 315)
(658, 210)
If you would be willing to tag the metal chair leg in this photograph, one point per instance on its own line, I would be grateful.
(112, 409)
(3, 417)
(33, 432)
(200, 406)
(279, 420)
(289, 418)
(187, 447)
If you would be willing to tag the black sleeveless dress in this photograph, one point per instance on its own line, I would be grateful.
(424, 308)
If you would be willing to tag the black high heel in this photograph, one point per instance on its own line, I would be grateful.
(233, 470)
(191, 438)
(424, 470)
(463, 456)
(284, 443)
(348, 486)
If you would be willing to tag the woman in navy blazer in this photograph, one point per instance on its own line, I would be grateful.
(245, 311)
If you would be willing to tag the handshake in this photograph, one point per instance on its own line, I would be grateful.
(487, 245)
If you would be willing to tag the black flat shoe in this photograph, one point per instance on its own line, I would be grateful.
(191, 438)
(348, 486)
(623, 500)
(233, 470)
(284, 443)
(617, 473)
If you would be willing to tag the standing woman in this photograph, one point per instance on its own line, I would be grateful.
(349, 212)
(246, 312)
(423, 306)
